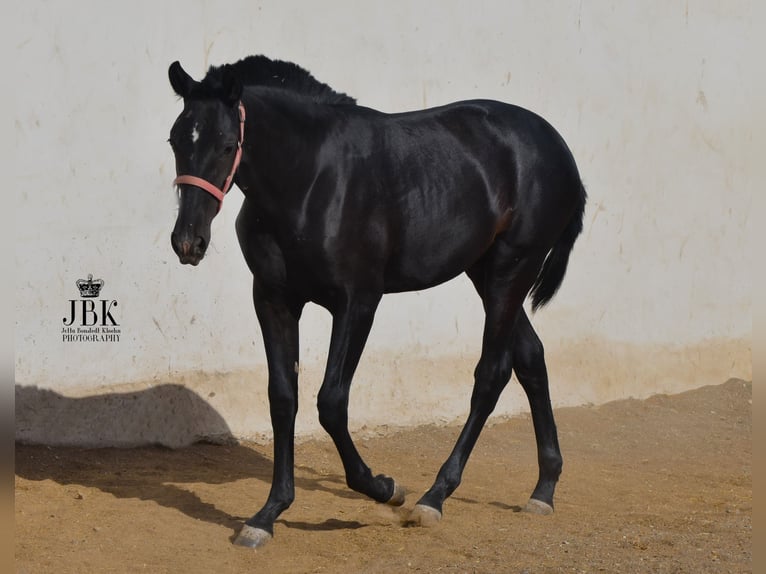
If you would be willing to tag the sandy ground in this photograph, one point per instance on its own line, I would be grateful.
(662, 485)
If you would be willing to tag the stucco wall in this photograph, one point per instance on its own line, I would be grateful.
(657, 100)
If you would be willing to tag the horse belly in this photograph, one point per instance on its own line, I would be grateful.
(432, 253)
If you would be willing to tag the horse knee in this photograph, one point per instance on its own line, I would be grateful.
(283, 402)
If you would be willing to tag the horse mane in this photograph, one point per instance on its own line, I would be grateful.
(262, 71)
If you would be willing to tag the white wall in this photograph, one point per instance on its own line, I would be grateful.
(660, 102)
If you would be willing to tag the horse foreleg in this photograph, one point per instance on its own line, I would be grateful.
(351, 326)
(279, 325)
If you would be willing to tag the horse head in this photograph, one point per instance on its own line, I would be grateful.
(207, 143)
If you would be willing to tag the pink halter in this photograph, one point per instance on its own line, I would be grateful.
(206, 185)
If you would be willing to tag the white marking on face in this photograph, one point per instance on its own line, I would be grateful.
(195, 133)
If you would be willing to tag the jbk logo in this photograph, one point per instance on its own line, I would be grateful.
(91, 319)
(86, 312)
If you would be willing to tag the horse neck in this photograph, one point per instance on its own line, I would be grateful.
(280, 134)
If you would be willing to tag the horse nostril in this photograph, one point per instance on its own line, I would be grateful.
(199, 245)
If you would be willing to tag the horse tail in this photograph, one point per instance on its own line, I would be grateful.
(555, 266)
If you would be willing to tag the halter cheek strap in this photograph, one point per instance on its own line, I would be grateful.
(217, 192)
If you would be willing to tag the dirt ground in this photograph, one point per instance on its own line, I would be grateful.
(661, 485)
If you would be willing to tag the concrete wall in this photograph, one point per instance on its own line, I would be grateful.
(658, 101)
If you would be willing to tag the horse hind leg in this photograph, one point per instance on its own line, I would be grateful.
(490, 377)
(530, 369)
(503, 279)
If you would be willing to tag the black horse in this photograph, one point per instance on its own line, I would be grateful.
(343, 204)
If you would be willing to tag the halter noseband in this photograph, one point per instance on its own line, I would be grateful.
(216, 192)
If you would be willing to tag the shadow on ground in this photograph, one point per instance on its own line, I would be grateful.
(204, 451)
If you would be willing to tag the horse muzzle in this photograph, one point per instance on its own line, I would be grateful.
(190, 250)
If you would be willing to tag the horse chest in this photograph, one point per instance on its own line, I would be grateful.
(291, 261)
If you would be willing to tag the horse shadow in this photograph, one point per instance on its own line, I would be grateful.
(146, 445)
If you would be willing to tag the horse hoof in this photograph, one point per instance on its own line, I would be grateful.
(423, 515)
(252, 537)
(397, 498)
(535, 506)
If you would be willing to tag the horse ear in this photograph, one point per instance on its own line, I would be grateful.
(180, 81)
(232, 86)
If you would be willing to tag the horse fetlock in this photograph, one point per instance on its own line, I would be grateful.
(390, 492)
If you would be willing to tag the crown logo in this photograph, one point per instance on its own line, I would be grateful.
(89, 287)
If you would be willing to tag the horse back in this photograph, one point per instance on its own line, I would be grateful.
(430, 191)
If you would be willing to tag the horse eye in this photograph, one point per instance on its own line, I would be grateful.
(228, 149)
